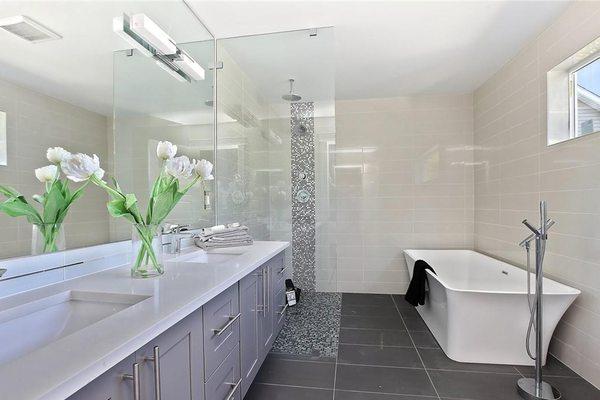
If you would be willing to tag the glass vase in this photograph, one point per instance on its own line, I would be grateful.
(47, 238)
(147, 254)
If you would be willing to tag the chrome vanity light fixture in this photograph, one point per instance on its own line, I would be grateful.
(149, 39)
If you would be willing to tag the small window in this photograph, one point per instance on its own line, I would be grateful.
(584, 85)
(573, 95)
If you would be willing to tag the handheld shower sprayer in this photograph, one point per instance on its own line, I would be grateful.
(536, 388)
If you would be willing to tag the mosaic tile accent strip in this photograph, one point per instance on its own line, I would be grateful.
(312, 327)
(302, 125)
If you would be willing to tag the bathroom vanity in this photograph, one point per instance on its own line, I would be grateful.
(201, 331)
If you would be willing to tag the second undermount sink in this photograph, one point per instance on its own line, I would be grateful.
(209, 257)
(35, 324)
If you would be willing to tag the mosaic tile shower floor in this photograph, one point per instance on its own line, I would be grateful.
(312, 326)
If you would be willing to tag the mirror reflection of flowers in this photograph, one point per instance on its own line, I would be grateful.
(177, 176)
(54, 202)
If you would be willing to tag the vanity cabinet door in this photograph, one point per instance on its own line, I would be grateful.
(280, 310)
(265, 320)
(250, 303)
(111, 385)
(278, 269)
(178, 373)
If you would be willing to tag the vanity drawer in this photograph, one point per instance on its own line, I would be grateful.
(111, 385)
(221, 318)
(224, 384)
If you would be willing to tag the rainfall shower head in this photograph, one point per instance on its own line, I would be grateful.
(291, 96)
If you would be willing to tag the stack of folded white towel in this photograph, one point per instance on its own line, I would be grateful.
(230, 235)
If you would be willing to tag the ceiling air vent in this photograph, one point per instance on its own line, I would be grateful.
(27, 29)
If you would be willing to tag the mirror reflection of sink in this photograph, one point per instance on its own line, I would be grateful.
(33, 325)
(209, 257)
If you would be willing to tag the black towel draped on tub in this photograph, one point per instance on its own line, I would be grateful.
(415, 294)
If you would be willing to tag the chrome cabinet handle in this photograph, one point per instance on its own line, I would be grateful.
(219, 332)
(282, 269)
(156, 360)
(233, 389)
(135, 377)
(265, 290)
(283, 310)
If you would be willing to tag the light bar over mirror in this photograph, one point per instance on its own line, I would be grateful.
(146, 36)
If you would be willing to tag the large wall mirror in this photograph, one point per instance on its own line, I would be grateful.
(574, 95)
(81, 87)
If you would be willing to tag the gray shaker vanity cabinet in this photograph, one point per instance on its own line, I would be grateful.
(171, 365)
(115, 384)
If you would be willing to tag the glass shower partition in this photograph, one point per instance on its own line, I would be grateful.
(274, 155)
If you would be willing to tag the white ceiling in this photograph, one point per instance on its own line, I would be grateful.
(382, 49)
(387, 49)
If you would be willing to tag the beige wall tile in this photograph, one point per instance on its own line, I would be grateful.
(412, 185)
(510, 121)
(36, 122)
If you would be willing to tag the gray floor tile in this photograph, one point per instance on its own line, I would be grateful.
(409, 313)
(367, 299)
(400, 302)
(301, 357)
(372, 311)
(375, 337)
(574, 388)
(415, 324)
(424, 339)
(436, 359)
(553, 367)
(364, 322)
(475, 385)
(259, 391)
(383, 380)
(380, 356)
(345, 395)
(296, 373)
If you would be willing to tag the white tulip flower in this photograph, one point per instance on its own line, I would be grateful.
(46, 174)
(81, 167)
(179, 167)
(166, 150)
(56, 154)
(203, 169)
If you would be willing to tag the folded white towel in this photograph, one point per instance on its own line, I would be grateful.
(218, 229)
(230, 243)
(230, 235)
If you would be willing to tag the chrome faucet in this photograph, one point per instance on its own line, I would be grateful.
(174, 247)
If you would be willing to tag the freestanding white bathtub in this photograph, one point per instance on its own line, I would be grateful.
(477, 308)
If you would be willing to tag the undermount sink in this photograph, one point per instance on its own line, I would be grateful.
(209, 257)
(35, 324)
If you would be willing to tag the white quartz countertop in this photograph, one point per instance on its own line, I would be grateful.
(64, 366)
